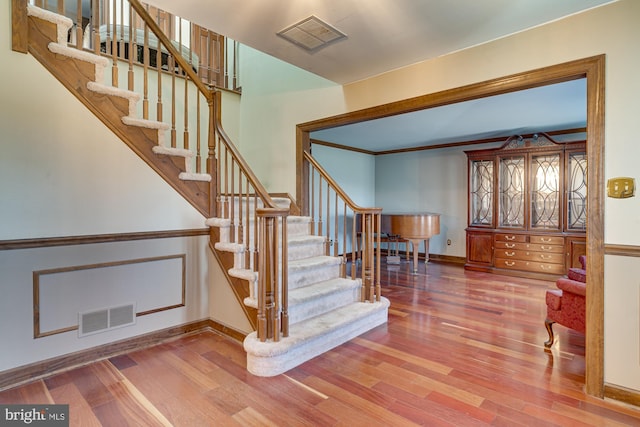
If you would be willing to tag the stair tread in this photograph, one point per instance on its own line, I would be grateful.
(313, 328)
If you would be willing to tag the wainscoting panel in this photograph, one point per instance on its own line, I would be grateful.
(152, 284)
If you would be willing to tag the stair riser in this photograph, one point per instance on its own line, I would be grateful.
(306, 250)
(294, 229)
(321, 305)
(305, 277)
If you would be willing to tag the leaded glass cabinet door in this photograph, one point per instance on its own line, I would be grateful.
(546, 204)
(481, 193)
(511, 185)
(576, 191)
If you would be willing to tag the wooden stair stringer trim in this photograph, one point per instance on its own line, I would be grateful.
(240, 287)
(75, 74)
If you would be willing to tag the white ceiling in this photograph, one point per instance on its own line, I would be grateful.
(384, 35)
(543, 109)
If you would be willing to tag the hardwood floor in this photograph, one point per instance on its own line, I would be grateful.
(460, 349)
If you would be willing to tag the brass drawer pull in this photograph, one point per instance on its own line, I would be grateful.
(509, 253)
(510, 237)
(549, 240)
(545, 267)
(510, 245)
(546, 248)
(509, 263)
(543, 256)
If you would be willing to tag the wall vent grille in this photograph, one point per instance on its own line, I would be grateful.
(92, 322)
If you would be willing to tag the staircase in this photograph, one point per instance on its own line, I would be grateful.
(325, 308)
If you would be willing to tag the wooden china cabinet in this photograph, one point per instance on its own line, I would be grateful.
(527, 207)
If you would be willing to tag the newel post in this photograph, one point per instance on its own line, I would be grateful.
(213, 100)
(273, 318)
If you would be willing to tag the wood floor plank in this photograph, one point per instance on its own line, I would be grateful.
(80, 413)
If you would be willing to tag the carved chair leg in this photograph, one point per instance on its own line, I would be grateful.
(549, 325)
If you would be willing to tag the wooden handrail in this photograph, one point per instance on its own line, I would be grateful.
(259, 188)
(336, 187)
(369, 218)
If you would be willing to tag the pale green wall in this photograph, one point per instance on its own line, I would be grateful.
(275, 98)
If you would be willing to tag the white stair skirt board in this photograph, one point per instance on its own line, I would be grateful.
(313, 337)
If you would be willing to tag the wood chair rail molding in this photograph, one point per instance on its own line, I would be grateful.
(591, 68)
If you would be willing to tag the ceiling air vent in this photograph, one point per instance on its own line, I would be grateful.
(311, 34)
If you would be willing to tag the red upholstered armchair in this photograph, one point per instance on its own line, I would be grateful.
(566, 305)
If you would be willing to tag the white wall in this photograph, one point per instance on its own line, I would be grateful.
(16, 306)
(63, 173)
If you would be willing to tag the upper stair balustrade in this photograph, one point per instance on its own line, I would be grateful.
(342, 223)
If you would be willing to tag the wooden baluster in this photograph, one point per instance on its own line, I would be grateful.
(377, 258)
(232, 203)
(343, 267)
(95, 29)
(247, 228)
(354, 245)
(285, 280)
(198, 142)
(320, 225)
(273, 248)
(256, 243)
(240, 198)
(133, 48)
(172, 70)
(212, 60)
(327, 237)
(145, 68)
(61, 7)
(312, 210)
(79, 29)
(262, 291)
(186, 114)
(236, 63)
(226, 183)
(212, 165)
(365, 260)
(335, 227)
(159, 74)
(114, 47)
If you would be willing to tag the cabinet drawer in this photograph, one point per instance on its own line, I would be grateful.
(545, 257)
(556, 249)
(506, 237)
(538, 267)
(547, 240)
